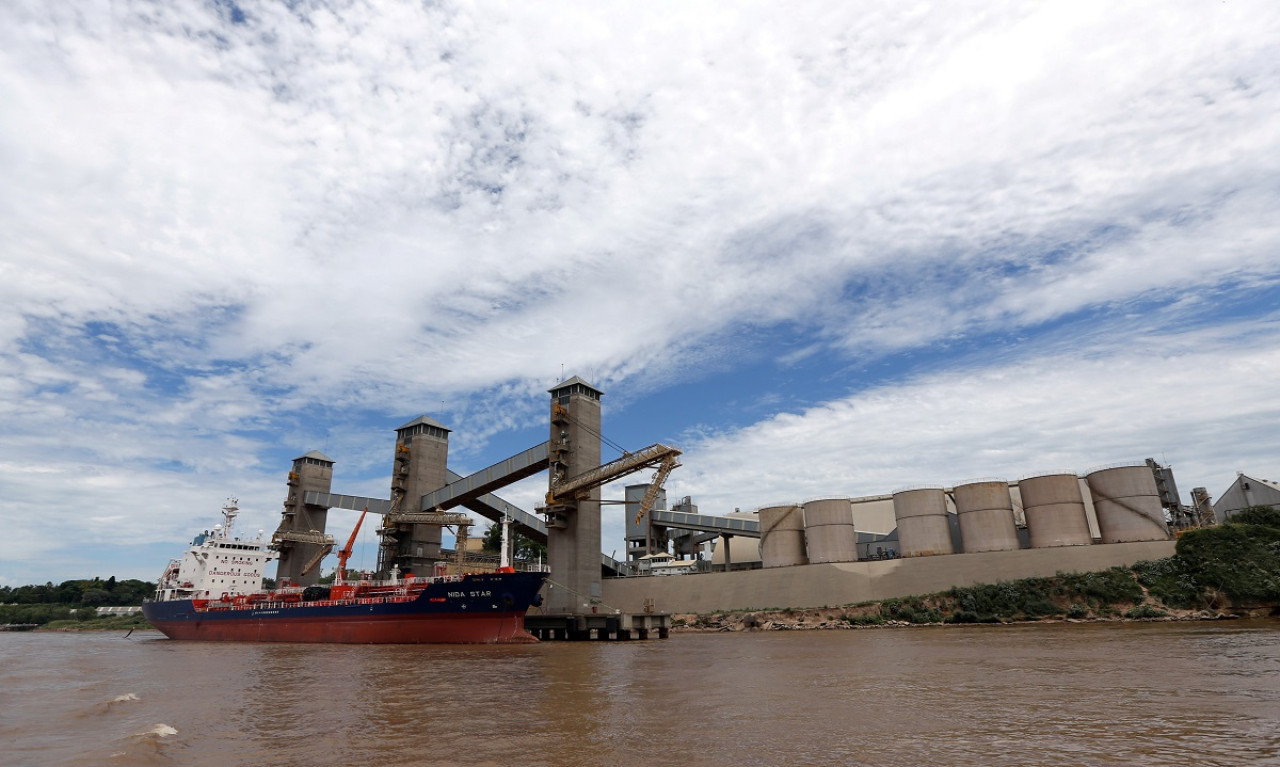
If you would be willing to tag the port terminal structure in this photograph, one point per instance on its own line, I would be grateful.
(825, 551)
(424, 491)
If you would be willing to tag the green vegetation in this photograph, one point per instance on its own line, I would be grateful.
(73, 603)
(1171, 582)
(521, 547)
(1240, 559)
(863, 620)
(1066, 595)
(911, 610)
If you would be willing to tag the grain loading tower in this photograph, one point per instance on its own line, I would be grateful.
(300, 538)
(420, 465)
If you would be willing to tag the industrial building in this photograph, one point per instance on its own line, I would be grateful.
(1246, 491)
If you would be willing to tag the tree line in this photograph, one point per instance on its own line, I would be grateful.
(76, 598)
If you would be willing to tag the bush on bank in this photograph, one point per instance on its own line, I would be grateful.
(1240, 559)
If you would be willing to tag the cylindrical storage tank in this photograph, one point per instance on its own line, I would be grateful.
(1127, 504)
(985, 510)
(1054, 507)
(782, 536)
(923, 528)
(828, 531)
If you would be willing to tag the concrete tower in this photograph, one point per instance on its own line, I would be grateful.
(573, 532)
(301, 537)
(420, 466)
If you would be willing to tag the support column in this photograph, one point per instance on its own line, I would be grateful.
(728, 556)
(573, 532)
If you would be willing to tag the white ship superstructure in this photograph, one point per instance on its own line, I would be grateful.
(217, 564)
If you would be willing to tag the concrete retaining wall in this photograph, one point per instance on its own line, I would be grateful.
(829, 585)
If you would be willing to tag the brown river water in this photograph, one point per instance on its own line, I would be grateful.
(1094, 694)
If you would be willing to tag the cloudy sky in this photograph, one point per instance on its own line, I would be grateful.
(826, 248)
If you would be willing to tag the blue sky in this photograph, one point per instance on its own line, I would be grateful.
(826, 249)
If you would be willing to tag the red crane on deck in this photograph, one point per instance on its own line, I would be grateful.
(344, 553)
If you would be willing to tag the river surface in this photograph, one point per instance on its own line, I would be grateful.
(1110, 694)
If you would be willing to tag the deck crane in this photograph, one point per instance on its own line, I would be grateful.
(340, 576)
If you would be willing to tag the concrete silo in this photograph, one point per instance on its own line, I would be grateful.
(828, 531)
(782, 536)
(985, 510)
(1127, 503)
(1054, 508)
(923, 527)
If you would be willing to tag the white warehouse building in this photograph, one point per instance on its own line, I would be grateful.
(1246, 491)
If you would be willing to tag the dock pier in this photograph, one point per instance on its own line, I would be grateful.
(599, 627)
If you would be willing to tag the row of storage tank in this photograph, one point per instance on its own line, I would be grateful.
(1125, 500)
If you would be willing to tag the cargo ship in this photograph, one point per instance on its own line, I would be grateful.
(215, 592)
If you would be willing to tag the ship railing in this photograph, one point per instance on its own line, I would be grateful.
(406, 590)
(379, 600)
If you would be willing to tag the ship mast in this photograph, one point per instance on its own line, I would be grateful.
(504, 561)
(230, 510)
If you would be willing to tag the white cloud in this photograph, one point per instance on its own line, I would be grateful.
(1200, 402)
(216, 231)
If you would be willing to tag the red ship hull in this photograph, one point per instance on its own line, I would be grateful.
(492, 628)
